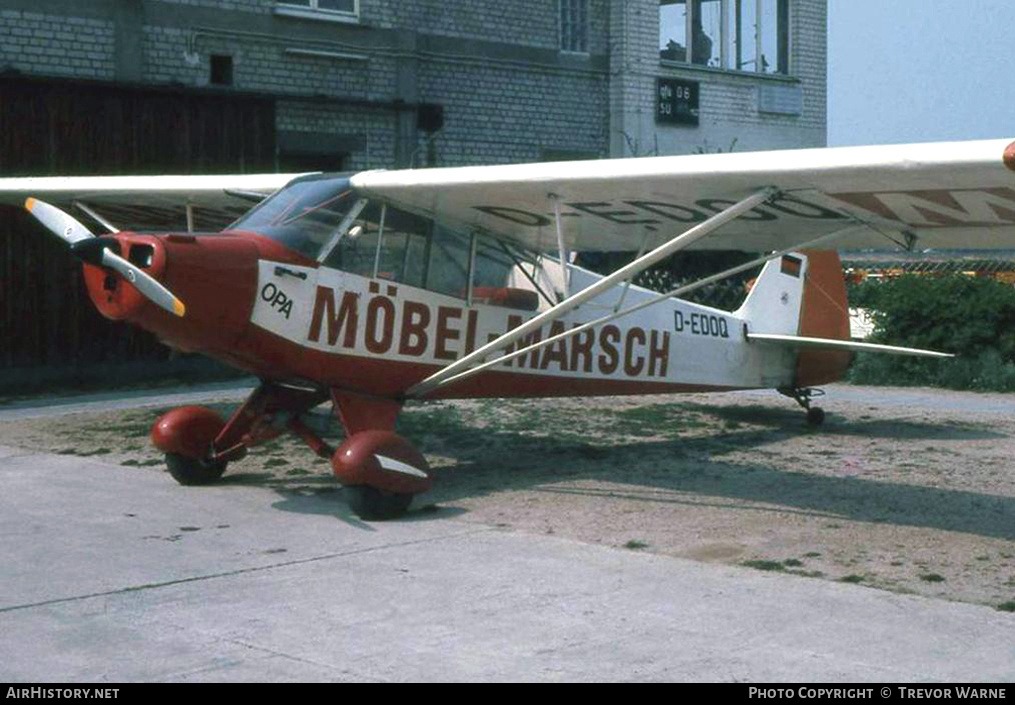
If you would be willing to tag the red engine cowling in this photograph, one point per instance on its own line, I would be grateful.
(383, 460)
(187, 431)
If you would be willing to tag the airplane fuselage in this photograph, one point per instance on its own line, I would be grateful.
(253, 304)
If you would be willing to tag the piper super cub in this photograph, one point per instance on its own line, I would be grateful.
(370, 289)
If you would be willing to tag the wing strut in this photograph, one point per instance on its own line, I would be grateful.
(680, 291)
(562, 251)
(677, 243)
(83, 207)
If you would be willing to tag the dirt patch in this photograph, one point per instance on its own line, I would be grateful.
(917, 500)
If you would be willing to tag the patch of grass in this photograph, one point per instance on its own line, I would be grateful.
(275, 462)
(775, 566)
(932, 578)
(792, 563)
(441, 420)
(654, 420)
(1008, 606)
(97, 451)
(811, 554)
(852, 579)
(635, 545)
(129, 429)
(807, 573)
(297, 472)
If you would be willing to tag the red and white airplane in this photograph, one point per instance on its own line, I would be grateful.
(373, 288)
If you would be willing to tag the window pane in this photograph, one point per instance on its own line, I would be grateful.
(769, 61)
(493, 265)
(565, 25)
(340, 5)
(673, 30)
(747, 28)
(303, 216)
(356, 250)
(706, 28)
(573, 25)
(403, 246)
(449, 263)
(767, 29)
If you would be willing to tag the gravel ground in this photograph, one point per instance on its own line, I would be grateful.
(904, 490)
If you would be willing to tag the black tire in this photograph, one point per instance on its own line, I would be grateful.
(190, 471)
(372, 504)
(815, 416)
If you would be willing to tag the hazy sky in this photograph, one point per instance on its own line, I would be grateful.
(920, 70)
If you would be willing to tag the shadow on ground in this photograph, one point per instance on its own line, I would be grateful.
(690, 469)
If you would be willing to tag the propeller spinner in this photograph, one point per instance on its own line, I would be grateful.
(95, 250)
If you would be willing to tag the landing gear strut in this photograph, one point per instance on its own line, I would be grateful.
(803, 396)
(380, 471)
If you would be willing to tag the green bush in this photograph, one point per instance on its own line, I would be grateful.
(970, 317)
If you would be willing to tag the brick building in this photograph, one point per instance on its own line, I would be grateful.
(361, 84)
(226, 86)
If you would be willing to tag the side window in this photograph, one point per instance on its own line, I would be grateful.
(356, 251)
(493, 265)
(449, 262)
(403, 246)
(387, 243)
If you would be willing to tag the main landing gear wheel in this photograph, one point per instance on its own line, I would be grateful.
(373, 504)
(191, 471)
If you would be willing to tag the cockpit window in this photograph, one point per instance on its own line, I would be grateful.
(304, 215)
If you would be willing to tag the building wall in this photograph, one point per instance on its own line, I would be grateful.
(507, 93)
(731, 114)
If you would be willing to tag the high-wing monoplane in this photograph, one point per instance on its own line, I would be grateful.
(374, 288)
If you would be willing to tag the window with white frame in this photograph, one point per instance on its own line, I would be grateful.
(336, 9)
(574, 26)
(735, 35)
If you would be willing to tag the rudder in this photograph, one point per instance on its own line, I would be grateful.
(824, 313)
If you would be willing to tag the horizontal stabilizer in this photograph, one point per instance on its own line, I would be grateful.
(796, 341)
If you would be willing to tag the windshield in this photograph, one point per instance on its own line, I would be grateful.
(303, 215)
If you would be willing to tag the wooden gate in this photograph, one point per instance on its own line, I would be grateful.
(73, 128)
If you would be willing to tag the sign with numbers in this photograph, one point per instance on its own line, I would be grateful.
(676, 101)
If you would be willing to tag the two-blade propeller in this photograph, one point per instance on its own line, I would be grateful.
(95, 250)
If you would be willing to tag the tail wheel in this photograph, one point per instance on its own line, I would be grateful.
(191, 471)
(373, 504)
(803, 396)
(815, 416)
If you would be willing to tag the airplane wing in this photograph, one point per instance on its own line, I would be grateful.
(151, 203)
(943, 195)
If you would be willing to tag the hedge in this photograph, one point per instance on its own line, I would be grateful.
(971, 317)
